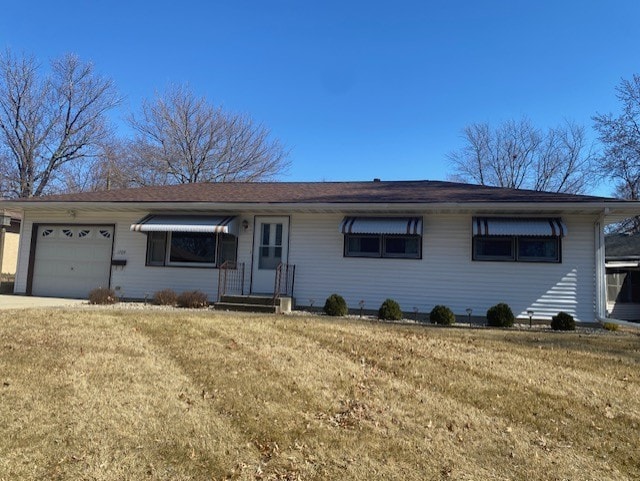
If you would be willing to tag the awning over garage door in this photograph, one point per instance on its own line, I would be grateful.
(186, 223)
(514, 226)
(381, 225)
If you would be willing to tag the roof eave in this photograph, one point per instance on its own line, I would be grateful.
(613, 210)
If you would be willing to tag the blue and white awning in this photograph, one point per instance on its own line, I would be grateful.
(511, 226)
(382, 225)
(186, 223)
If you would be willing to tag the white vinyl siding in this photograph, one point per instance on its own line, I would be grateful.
(446, 273)
(135, 280)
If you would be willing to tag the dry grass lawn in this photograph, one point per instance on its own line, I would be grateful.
(144, 394)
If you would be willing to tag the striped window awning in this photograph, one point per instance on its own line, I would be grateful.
(510, 226)
(186, 223)
(382, 225)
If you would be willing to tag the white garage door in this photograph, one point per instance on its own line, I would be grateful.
(71, 260)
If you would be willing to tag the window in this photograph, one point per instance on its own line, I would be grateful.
(189, 249)
(363, 245)
(383, 245)
(493, 248)
(538, 249)
(623, 286)
(192, 248)
(516, 248)
(401, 246)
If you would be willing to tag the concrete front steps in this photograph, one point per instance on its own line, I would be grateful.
(254, 304)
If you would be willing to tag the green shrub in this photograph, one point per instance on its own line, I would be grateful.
(610, 326)
(563, 322)
(102, 295)
(442, 315)
(335, 305)
(500, 315)
(165, 297)
(390, 311)
(192, 300)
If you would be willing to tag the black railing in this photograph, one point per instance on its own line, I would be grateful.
(285, 278)
(230, 278)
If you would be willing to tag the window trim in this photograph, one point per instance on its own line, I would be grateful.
(382, 243)
(166, 262)
(515, 246)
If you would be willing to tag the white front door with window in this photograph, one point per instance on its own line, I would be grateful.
(270, 248)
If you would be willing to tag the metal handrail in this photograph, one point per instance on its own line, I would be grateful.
(284, 281)
(230, 273)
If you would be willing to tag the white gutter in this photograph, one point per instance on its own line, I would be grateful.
(615, 208)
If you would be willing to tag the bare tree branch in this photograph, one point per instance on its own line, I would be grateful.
(518, 155)
(620, 138)
(48, 123)
(184, 139)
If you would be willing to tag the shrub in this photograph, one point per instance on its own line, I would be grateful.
(563, 322)
(102, 295)
(610, 326)
(165, 297)
(500, 315)
(390, 311)
(335, 305)
(442, 315)
(192, 299)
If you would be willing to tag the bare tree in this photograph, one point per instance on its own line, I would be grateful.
(182, 138)
(620, 138)
(48, 123)
(518, 155)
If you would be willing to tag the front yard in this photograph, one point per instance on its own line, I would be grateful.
(108, 394)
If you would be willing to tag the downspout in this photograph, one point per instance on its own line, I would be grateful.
(601, 292)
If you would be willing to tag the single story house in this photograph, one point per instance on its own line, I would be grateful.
(421, 243)
(622, 262)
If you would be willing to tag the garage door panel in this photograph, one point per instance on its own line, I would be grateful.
(71, 260)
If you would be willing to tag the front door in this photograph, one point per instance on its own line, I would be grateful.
(270, 248)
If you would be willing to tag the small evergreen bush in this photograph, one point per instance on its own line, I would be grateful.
(335, 305)
(192, 300)
(500, 315)
(442, 315)
(102, 295)
(165, 297)
(390, 311)
(610, 326)
(563, 322)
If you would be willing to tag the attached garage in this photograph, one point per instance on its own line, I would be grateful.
(71, 260)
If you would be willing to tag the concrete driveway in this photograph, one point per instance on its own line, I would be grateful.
(10, 301)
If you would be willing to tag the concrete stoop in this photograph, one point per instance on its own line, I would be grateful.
(254, 304)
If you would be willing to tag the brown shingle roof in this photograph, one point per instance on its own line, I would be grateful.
(423, 191)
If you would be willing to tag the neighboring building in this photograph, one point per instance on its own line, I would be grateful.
(622, 255)
(421, 243)
(9, 241)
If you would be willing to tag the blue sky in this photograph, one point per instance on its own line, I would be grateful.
(355, 89)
